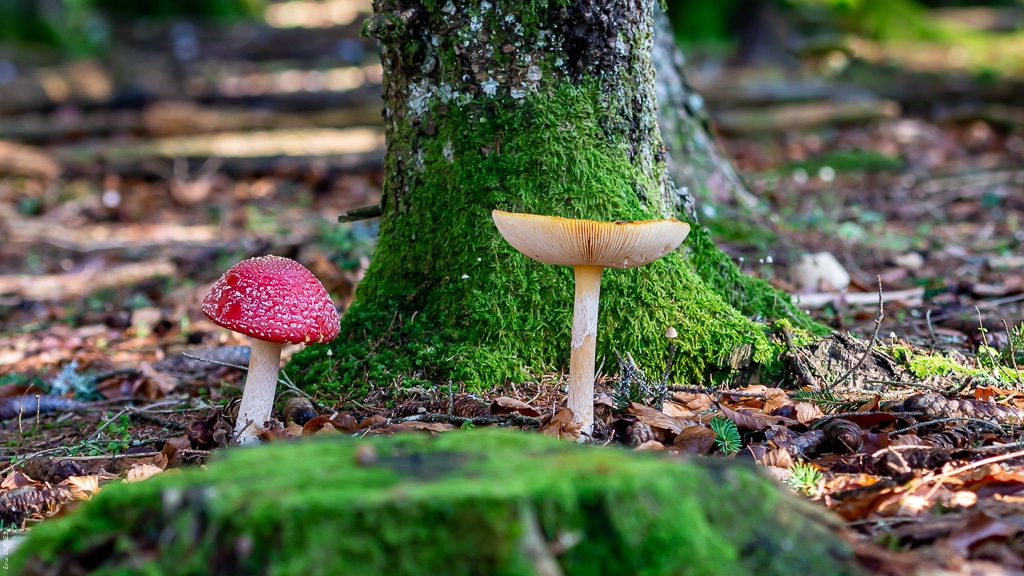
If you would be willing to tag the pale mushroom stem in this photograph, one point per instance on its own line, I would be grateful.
(584, 347)
(260, 385)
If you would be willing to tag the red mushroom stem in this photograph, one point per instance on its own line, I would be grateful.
(260, 386)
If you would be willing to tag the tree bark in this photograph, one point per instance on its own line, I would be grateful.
(548, 108)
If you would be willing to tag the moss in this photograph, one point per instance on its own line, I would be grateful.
(461, 503)
(928, 365)
(528, 107)
(845, 161)
(462, 304)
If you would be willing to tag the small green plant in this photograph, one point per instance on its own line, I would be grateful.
(804, 478)
(120, 436)
(727, 435)
(112, 437)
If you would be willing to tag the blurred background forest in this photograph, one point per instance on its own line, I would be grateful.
(146, 146)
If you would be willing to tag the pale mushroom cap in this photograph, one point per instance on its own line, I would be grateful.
(570, 242)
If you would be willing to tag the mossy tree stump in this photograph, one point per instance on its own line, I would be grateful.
(545, 107)
(464, 503)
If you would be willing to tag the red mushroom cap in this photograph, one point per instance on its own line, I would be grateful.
(273, 299)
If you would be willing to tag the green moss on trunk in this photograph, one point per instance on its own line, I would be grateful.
(531, 107)
(479, 503)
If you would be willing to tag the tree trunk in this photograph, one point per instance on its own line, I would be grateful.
(547, 108)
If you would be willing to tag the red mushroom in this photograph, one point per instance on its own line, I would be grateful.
(274, 300)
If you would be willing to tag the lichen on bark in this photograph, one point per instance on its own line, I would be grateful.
(541, 107)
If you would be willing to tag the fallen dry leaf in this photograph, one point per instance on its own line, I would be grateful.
(651, 445)
(678, 410)
(962, 499)
(372, 421)
(293, 430)
(17, 479)
(274, 430)
(658, 419)
(317, 425)
(561, 426)
(22, 160)
(82, 487)
(749, 420)
(142, 472)
(980, 526)
(694, 401)
(858, 503)
(506, 405)
(154, 384)
(807, 412)
(778, 458)
(346, 422)
(776, 398)
(695, 440)
(171, 448)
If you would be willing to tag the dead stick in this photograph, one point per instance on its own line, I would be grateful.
(992, 460)
(871, 343)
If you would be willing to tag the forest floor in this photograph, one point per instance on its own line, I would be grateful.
(129, 184)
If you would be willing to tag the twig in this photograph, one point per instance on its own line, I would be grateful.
(695, 389)
(129, 410)
(871, 413)
(217, 362)
(46, 452)
(951, 419)
(908, 384)
(106, 423)
(981, 327)
(991, 460)
(985, 305)
(931, 331)
(186, 454)
(871, 343)
(283, 379)
(286, 382)
(111, 456)
(154, 419)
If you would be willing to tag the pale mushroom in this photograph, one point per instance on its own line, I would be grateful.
(589, 247)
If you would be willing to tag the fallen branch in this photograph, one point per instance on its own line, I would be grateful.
(21, 160)
(787, 117)
(228, 145)
(77, 284)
